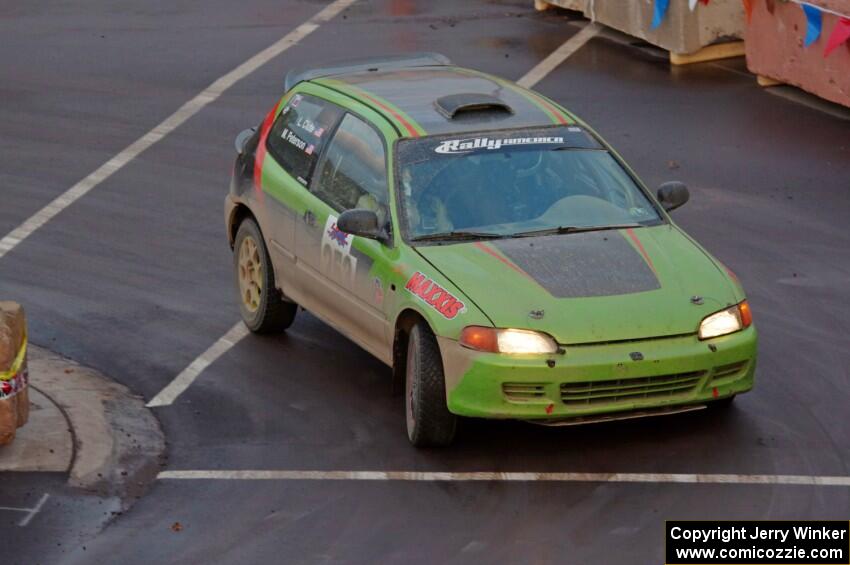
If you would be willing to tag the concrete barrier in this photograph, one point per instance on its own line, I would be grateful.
(775, 50)
(711, 31)
(14, 395)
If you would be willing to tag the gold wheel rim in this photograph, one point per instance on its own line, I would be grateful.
(250, 274)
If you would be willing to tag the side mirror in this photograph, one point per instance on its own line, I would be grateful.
(242, 139)
(363, 223)
(673, 194)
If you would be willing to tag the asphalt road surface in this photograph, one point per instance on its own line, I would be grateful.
(135, 280)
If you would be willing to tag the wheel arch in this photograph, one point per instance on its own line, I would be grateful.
(239, 214)
(404, 323)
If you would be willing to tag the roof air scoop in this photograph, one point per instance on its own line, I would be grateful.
(455, 105)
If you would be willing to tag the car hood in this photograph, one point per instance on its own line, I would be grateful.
(590, 287)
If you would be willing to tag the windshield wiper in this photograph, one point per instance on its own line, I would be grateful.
(573, 229)
(457, 235)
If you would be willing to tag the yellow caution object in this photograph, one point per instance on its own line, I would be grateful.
(18, 363)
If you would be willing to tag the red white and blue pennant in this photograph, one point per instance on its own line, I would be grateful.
(814, 26)
(814, 21)
(659, 10)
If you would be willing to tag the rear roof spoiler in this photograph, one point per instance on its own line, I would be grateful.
(375, 64)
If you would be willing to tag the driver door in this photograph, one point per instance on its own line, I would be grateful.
(341, 273)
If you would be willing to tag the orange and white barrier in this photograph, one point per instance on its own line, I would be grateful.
(803, 43)
(691, 30)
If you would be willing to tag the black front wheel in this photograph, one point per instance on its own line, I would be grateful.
(429, 422)
(260, 302)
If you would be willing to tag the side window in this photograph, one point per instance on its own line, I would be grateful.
(353, 173)
(297, 136)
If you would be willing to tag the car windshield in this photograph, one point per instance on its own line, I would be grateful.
(514, 183)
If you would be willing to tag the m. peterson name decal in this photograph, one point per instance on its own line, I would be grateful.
(435, 296)
(454, 146)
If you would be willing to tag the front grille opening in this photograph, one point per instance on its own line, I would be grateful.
(523, 392)
(728, 372)
(630, 390)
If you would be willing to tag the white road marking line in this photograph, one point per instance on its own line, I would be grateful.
(559, 55)
(175, 120)
(31, 512)
(425, 476)
(35, 510)
(188, 375)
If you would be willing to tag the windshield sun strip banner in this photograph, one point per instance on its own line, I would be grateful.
(538, 139)
(467, 145)
(396, 115)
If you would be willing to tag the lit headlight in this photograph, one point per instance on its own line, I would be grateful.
(726, 321)
(512, 341)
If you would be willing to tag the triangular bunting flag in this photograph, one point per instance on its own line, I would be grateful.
(658, 12)
(840, 34)
(692, 4)
(814, 20)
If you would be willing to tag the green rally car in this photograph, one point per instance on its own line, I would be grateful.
(483, 242)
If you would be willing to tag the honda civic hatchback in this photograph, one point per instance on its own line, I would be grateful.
(483, 242)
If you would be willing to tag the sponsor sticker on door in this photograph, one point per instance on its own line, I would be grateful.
(337, 261)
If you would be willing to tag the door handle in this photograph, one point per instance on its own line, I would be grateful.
(309, 218)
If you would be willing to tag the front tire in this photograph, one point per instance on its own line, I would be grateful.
(260, 302)
(429, 422)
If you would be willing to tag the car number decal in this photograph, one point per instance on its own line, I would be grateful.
(336, 258)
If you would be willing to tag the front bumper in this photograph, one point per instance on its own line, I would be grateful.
(590, 380)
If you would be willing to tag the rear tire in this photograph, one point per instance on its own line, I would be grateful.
(260, 302)
(429, 422)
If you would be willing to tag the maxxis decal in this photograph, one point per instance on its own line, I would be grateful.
(435, 296)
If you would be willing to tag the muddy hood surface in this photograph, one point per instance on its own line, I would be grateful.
(590, 287)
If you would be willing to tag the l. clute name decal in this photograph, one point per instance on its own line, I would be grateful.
(473, 144)
(435, 296)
